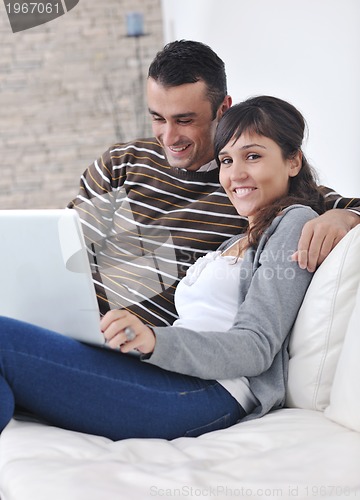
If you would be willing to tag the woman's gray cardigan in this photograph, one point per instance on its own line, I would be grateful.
(272, 288)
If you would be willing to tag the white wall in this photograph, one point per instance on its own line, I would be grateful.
(304, 51)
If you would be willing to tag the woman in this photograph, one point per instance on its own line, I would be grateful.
(225, 358)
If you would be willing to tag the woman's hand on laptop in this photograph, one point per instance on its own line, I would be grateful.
(125, 331)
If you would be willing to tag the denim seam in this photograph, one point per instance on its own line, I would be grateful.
(92, 374)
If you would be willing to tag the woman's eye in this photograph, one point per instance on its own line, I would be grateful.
(253, 156)
(225, 161)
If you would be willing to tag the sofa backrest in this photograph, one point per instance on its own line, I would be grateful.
(344, 405)
(318, 333)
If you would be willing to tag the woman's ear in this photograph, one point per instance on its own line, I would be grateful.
(295, 164)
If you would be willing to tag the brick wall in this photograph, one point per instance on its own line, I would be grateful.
(68, 90)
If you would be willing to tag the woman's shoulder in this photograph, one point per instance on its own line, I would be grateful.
(287, 226)
(298, 208)
(295, 214)
(292, 216)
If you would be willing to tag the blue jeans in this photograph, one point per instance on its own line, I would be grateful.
(101, 391)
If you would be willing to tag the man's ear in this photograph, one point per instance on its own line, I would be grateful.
(227, 102)
(295, 164)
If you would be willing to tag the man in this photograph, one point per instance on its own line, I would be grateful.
(151, 207)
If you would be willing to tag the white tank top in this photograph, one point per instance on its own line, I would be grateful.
(206, 299)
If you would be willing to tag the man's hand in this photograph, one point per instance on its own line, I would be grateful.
(114, 325)
(319, 236)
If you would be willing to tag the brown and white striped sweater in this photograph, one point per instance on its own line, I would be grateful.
(145, 223)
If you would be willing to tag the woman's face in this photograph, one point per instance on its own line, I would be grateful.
(254, 173)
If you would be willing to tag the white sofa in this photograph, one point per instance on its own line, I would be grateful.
(309, 449)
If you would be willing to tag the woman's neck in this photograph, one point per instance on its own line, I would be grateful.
(238, 248)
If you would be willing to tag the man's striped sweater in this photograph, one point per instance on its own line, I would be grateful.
(145, 223)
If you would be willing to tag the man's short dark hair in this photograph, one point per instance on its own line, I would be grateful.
(186, 61)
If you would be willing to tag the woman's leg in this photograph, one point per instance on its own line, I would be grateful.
(104, 392)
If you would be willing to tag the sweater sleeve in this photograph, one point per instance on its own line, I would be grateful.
(271, 292)
(335, 200)
(95, 199)
(98, 199)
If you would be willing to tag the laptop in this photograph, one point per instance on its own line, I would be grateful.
(45, 275)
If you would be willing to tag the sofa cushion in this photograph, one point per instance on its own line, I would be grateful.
(319, 330)
(288, 454)
(344, 405)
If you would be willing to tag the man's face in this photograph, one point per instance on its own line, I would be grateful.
(182, 121)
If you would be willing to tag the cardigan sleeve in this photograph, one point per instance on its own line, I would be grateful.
(271, 292)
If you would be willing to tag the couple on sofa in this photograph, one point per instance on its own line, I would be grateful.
(253, 239)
